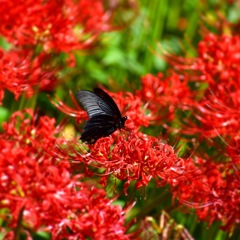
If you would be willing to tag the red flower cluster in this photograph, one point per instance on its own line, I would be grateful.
(215, 73)
(38, 30)
(213, 112)
(218, 63)
(222, 202)
(19, 73)
(163, 96)
(59, 25)
(132, 106)
(42, 189)
(141, 158)
(210, 188)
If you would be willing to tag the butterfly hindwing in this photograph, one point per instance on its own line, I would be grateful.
(97, 127)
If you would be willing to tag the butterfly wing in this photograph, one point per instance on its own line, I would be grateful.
(94, 104)
(97, 127)
(110, 102)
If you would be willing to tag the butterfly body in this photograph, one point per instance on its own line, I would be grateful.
(105, 117)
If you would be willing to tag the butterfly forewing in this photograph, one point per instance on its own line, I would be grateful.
(93, 104)
(107, 99)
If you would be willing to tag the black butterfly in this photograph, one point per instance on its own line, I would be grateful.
(105, 117)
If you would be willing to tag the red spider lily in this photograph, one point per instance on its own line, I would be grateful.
(218, 60)
(217, 63)
(212, 117)
(132, 106)
(137, 158)
(222, 201)
(40, 190)
(62, 25)
(210, 188)
(213, 112)
(19, 73)
(215, 107)
(164, 95)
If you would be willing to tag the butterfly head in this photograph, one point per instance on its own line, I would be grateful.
(121, 122)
